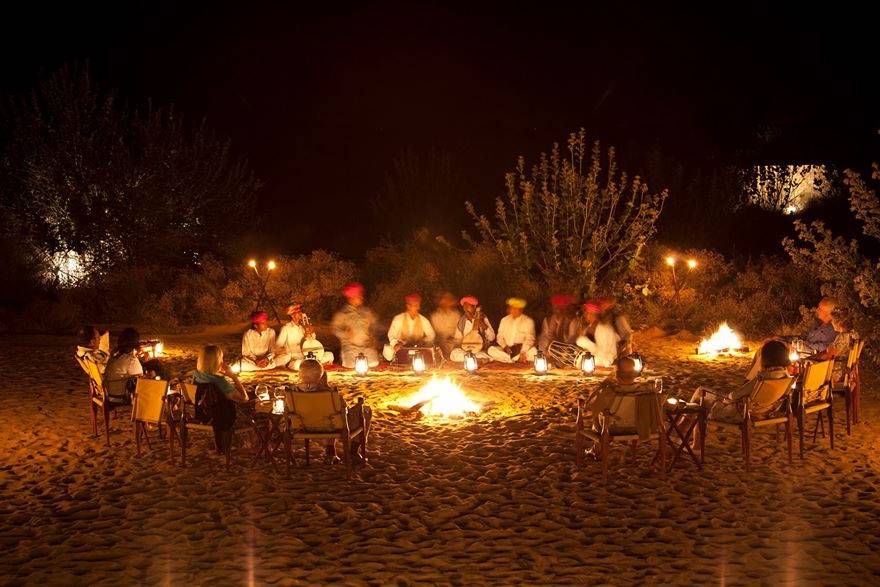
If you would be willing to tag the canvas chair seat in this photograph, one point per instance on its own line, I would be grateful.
(99, 399)
(815, 396)
(189, 423)
(148, 407)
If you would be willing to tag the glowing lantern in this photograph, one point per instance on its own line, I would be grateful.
(271, 265)
(236, 367)
(670, 261)
(692, 263)
(252, 263)
(418, 363)
(638, 362)
(278, 406)
(361, 365)
(470, 362)
(794, 356)
(587, 363)
(540, 363)
(158, 349)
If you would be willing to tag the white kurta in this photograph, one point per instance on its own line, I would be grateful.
(255, 346)
(288, 347)
(400, 326)
(604, 349)
(465, 325)
(513, 331)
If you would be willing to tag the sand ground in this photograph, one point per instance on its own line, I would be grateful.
(492, 499)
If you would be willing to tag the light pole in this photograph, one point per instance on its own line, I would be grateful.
(676, 285)
(262, 281)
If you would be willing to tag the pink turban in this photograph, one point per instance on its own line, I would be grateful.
(259, 316)
(353, 290)
(413, 297)
(472, 300)
(591, 306)
(561, 300)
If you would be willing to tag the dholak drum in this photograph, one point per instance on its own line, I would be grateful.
(432, 356)
(564, 355)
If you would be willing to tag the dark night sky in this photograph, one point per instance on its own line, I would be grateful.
(321, 99)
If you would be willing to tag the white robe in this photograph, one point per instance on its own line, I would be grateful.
(401, 324)
(604, 349)
(465, 325)
(288, 347)
(255, 346)
(512, 331)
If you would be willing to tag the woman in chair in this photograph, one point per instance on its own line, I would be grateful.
(211, 369)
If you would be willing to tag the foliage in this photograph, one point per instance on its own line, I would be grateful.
(575, 220)
(784, 188)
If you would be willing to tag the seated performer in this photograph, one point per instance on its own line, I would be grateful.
(611, 314)
(289, 344)
(470, 336)
(313, 378)
(127, 364)
(258, 344)
(93, 346)
(354, 326)
(445, 320)
(823, 333)
(408, 329)
(599, 336)
(559, 326)
(515, 341)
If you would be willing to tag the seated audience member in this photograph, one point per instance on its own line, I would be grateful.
(313, 378)
(211, 368)
(843, 343)
(774, 362)
(289, 351)
(599, 336)
(467, 330)
(409, 328)
(515, 341)
(127, 363)
(258, 344)
(93, 346)
(560, 325)
(355, 325)
(444, 320)
(823, 333)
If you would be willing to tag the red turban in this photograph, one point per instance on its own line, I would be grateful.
(353, 290)
(472, 300)
(591, 306)
(413, 297)
(259, 316)
(561, 300)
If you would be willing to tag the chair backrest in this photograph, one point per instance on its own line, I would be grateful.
(854, 353)
(816, 380)
(189, 392)
(767, 394)
(639, 402)
(96, 381)
(213, 407)
(315, 410)
(149, 397)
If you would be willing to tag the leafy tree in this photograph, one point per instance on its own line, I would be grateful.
(784, 188)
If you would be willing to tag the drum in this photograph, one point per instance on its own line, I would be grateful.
(432, 356)
(564, 355)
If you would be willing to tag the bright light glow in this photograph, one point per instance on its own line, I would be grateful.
(794, 357)
(361, 365)
(723, 340)
(418, 363)
(587, 363)
(670, 261)
(252, 263)
(638, 365)
(69, 268)
(278, 406)
(236, 368)
(672, 401)
(470, 362)
(442, 398)
(271, 265)
(692, 263)
(158, 349)
(540, 363)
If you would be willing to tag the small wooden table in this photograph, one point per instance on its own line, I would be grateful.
(268, 426)
(674, 410)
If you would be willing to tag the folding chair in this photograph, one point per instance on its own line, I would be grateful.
(849, 385)
(188, 421)
(322, 415)
(100, 399)
(814, 397)
(148, 406)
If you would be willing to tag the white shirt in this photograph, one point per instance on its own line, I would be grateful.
(519, 330)
(403, 323)
(290, 338)
(460, 331)
(445, 322)
(256, 345)
(119, 370)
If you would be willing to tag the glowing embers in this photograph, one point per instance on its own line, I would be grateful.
(441, 397)
(723, 341)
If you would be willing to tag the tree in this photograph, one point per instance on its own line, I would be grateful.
(784, 188)
(572, 222)
(92, 184)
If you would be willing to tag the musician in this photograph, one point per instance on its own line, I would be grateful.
(409, 328)
(445, 320)
(354, 325)
(599, 337)
(470, 325)
(560, 325)
(258, 344)
(288, 346)
(610, 313)
(516, 335)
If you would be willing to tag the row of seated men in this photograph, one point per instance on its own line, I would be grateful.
(601, 330)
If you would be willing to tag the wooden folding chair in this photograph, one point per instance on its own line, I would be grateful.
(100, 399)
(618, 423)
(849, 386)
(322, 415)
(188, 422)
(148, 407)
(768, 404)
(814, 397)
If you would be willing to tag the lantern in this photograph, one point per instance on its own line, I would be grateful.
(252, 263)
(638, 362)
(236, 367)
(278, 406)
(794, 356)
(158, 349)
(588, 363)
(692, 263)
(271, 265)
(418, 363)
(361, 365)
(670, 261)
(470, 362)
(540, 363)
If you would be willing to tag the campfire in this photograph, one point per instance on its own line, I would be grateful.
(440, 397)
(723, 341)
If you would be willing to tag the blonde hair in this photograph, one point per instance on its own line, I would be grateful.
(210, 359)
